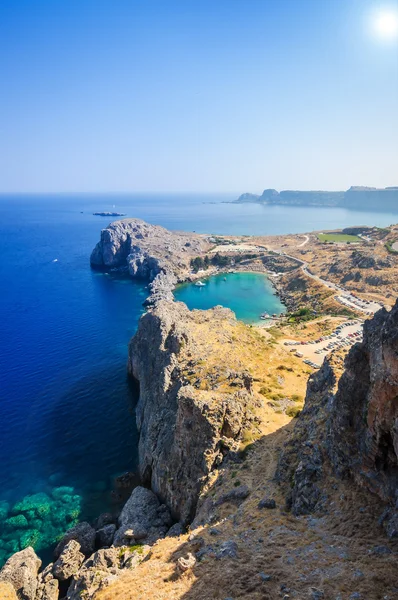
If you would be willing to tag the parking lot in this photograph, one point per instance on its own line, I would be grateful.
(312, 352)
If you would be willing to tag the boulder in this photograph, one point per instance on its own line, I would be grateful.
(142, 518)
(82, 533)
(104, 537)
(69, 561)
(175, 530)
(47, 586)
(185, 563)
(96, 573)
(21, 571)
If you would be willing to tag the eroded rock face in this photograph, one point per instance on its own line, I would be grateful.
(353, 427)
(69, 561)
(148, 252)
(21, 571)
(143, 518)
(84, 534)
(47, 586)
(181, 426)
(363, 423)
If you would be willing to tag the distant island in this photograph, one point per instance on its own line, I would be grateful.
(357, 197)
(109, 214)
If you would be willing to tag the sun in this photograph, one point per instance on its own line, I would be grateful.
(386, 24)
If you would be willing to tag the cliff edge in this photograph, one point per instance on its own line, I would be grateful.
(349, 425)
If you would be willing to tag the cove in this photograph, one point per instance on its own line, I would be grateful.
(247, 294)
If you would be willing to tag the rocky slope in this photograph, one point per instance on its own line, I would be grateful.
(349, 424)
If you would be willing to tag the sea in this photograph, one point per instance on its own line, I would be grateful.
(67, 426)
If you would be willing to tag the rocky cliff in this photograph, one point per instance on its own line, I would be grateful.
(191, 408)
(351, 429)
(359, 198)
(148, 252)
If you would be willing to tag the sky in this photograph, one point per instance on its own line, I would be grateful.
(196, 95)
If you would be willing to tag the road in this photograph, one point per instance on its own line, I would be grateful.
(307, 239)
(344, 296)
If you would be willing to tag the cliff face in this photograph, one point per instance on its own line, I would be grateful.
(359, 198)
(352, 429)
(184, 424)
(148, 252)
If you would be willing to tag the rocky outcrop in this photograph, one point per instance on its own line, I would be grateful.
(143, 518)
(69, 561)
(21, 572)
(356, 197)
(354, 429)
(47, 585)
(82, 533)
(148, 252)
(183, 427)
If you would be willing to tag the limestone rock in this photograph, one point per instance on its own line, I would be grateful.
(142, 518)
(104, 537)
(7, 591)
(96, 573)
(235, 495)
(181, 427)
(82, 533)
(21, 571)
(49, 590)
(103, 568)
(176, 530)
(69, 561)
(185, 563)
(47, 586)
(351, 422)
(149, 252)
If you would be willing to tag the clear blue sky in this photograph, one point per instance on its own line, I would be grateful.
(195, 95)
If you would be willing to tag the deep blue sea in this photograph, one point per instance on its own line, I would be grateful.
(66, 406)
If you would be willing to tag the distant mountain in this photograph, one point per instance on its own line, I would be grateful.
(356, 197)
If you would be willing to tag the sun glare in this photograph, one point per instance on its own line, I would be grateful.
(386, 24)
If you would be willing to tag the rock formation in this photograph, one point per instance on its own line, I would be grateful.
(357, 197)
(182, 428)
(148, 252)
(21, 572)
(354, 428)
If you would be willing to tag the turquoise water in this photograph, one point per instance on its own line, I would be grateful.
(247, 294)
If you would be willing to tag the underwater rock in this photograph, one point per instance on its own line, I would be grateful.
(4, 509)
(36, 504)
(17, 522)
(21, 571)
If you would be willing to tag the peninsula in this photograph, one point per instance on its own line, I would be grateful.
(263, 474)
(357, 197)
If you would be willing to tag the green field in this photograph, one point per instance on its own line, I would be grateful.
(338, 237)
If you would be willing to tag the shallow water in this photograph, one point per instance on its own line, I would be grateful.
(247, 294)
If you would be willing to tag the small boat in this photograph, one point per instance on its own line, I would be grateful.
(200, 284)
(264, 316)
